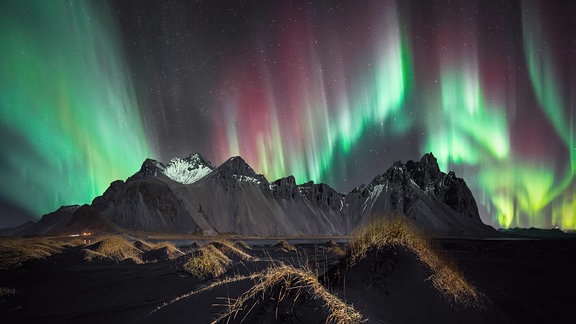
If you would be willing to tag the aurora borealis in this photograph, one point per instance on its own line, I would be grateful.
(330, 91)
(68, 113)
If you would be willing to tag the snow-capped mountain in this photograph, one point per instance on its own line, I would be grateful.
(189, 195)
(186, 171)
(189, 169)
(433, 200)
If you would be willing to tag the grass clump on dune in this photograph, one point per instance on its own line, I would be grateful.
(242, 245)
(164, 244)
(15, 251)
(115, 248)
(7, 292)
(381, 233)
(161, 251)
(336, 250)
(288, 279)
(207, 261)
(230, 249)
(284, 246)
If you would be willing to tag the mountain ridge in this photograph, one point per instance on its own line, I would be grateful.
(189, 195)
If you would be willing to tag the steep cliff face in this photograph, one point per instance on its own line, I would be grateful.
(233, 198)
(322, 196)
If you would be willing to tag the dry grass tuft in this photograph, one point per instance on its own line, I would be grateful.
(336, 250)
(15, 251)
(143, 245)
(161, 251)
(242, 245)
(73, 242)
(164, 244)
(115, 248)
(7, 292)
(230, 249)
(204, 288)
(285, 246)
(207, 261)
(381, 233)
(290, 280)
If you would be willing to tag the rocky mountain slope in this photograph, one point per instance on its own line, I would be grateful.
(191, 196)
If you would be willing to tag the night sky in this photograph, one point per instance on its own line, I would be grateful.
(330, 91)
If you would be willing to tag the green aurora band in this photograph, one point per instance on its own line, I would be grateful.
(544, 80)
(68, 114)
(522, 191)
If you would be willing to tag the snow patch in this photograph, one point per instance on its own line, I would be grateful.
(185, 171)
(248, 179)
(374, 194)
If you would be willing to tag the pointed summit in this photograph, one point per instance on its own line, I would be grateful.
(237, 170)
(150, 168)
(197, 159)
(236, 165)
(424, 172)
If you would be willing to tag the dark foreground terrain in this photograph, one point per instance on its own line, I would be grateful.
(519, 281)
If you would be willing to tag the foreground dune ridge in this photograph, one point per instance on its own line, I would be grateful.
(383, 232)
(292, 278)
(211, 261)
(288, 279)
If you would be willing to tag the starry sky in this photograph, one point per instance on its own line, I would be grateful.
(330, 91)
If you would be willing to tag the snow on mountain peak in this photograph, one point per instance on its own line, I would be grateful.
(189, 169)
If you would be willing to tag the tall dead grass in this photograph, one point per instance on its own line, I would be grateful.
(336, 250)
(242, 245)
(284, 246)
(230, 249)
(381, 233)
(285, 278)
(6, 292)
(290, 279)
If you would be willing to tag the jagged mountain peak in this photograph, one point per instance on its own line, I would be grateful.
(197, 158)
(423, 172)
(426, 175)
(149, 168)
(322, 194)
(285, 188)
(237, 165)
(183, 170)
(235, 169)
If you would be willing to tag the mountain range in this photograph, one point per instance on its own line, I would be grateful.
(190, 195)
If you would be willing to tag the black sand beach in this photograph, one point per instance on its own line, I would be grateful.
(520, 280)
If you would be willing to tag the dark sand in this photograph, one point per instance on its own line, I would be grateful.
(522, 281)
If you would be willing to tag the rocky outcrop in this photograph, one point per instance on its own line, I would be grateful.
(322, 195)
(285, 188)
